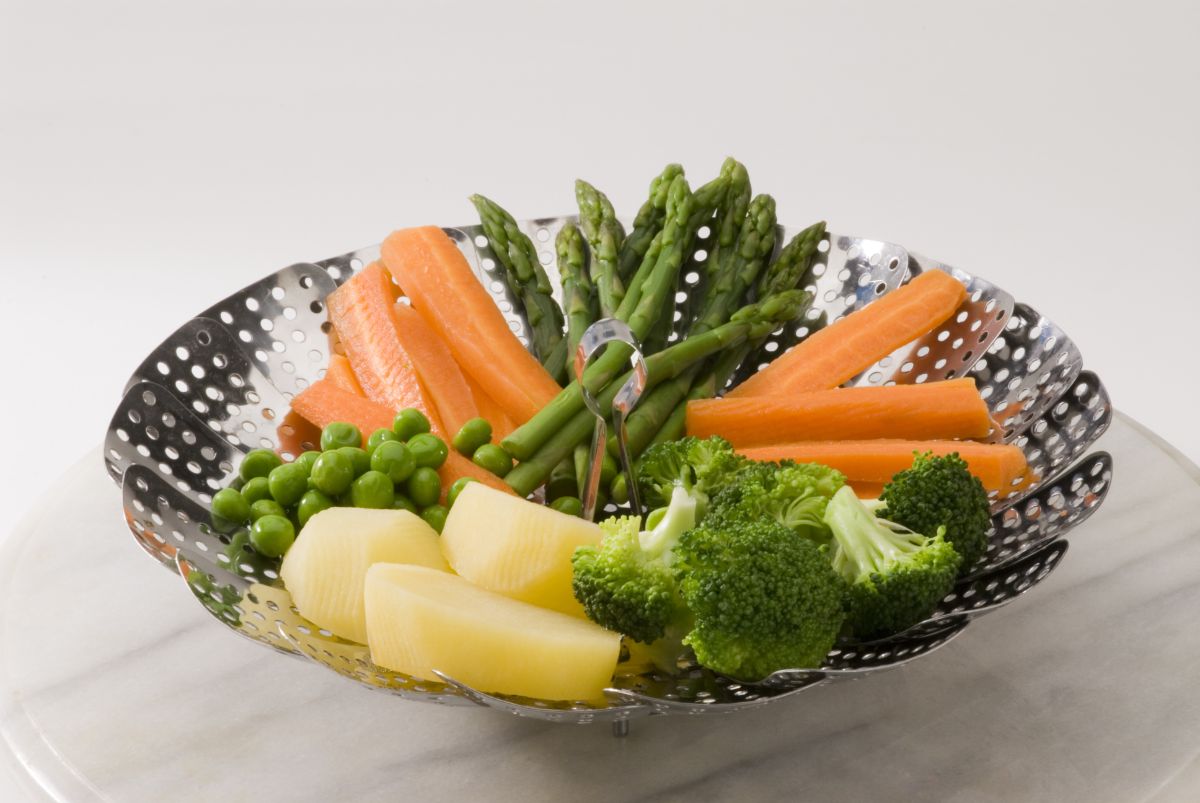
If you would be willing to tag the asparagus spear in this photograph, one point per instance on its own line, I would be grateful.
(604, 234)
(579, 294)
(740, 261)
(528, 281)
(647, 223)
(749, 323)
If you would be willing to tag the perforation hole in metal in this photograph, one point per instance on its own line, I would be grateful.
(152, 428)
(281, 323)
(950, 350)
(342, 267)
(886, 653)
(1026, 369)
(849, 274)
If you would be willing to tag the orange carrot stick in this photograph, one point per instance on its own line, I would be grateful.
(502, 425)
(361, 312)
(440, 374)
(341, 374)
(933, 410)
(997, 466)
(436, 277)
(846, 347)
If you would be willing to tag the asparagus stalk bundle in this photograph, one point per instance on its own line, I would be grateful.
(528, 282)
(651, 285)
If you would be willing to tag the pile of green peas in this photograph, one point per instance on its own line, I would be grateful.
(394, 468)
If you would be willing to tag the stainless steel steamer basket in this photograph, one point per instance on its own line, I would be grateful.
(221, 385)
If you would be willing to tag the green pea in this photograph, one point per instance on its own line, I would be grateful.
(378, 437)
(428, 450)
(491, 457)
(272, 536)
(410, 422)
(312, 503)
(244, 561)
(424, 487)
(266, 507)
(435, 517)
(339, 434)
(654, 517)
(258, 463)
(307, 459)
(394, 459)
(456, 488)
(562, 481)
(288, 483)
(332, 473)
(619, 490)
(373, 489)
(474, 433)
(230, 505)
(402, 502)
(255, 489)
(569, 505)
(359, 459)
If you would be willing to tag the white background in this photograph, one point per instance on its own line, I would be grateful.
(155, 157)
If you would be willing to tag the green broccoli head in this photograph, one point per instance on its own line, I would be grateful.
(699, 466)
(762, 598)
(897, 577)
(626, 583)
(794, 494)
(941, 492)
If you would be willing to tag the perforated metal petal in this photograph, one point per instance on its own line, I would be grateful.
(221, 384)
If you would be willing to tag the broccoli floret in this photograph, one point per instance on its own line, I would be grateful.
(699, 466)
(795, 495)
(941, 492)
(897, 577)
(626, 583)
(762, 598)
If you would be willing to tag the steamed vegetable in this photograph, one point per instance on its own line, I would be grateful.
(443, 289)
(419, 620)
(933, 410)
(647, 223)
(361, 311)
(940, 493)
(851, 344)
(579, 294)
(604, 234)
(441, 378)
(999, 467)
(897, 576)
(341, 374)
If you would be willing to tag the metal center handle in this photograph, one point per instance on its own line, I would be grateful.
(598, 335)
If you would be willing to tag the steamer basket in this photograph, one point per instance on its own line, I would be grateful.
(221, 384)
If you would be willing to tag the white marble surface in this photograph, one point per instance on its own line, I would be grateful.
(117, 687)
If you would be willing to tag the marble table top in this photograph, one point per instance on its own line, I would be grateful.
(115, 685)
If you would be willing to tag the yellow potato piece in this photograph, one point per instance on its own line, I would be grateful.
(419, 620)
(515, 547)
(325, 569)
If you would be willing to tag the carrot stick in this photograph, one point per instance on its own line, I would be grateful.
(846, 347)
(322, 403)
(951, 409)
(341, 374)
(997, 466)
(361, 312)
(440, 374)
(436, 277)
